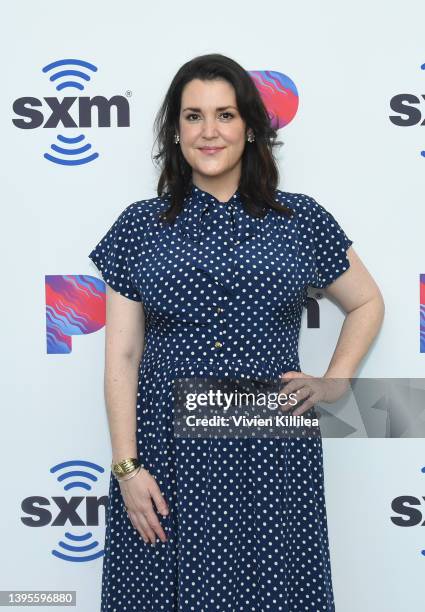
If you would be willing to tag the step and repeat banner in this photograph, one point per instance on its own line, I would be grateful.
(345, 84)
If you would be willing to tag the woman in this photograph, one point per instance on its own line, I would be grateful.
(210, 279)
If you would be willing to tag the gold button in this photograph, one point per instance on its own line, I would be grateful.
(218, 344)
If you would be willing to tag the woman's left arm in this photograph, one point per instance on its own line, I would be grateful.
(359, 296)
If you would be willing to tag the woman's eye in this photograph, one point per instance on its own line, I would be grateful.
(230, 115)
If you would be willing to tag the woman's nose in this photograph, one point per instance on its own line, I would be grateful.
(209, 128)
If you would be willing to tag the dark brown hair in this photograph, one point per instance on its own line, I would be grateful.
(259, 172)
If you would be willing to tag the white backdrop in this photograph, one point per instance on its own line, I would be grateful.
(348, 60)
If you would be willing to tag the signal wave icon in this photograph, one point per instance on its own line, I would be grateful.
(70, 152)
(63, 81)
(77, 473)
(65, 74)
(76, 546)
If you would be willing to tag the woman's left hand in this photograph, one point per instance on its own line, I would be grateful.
(312, 389)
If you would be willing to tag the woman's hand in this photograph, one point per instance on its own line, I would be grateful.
(138, 493)
(312, 389)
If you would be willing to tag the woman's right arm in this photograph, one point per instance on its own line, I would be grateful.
(124, 345)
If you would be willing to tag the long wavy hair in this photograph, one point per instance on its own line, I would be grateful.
(259, 172)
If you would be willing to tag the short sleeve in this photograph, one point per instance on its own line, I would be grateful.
(328, 244)
(115, 251)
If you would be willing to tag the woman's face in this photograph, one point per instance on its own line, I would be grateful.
(209, 118)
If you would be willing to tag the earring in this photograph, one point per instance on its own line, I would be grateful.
(176, 138)
(251, 136)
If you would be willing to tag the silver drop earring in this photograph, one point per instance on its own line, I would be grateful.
(250, 137)
(176, 138)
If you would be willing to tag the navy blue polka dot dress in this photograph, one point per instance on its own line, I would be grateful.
(223, 294)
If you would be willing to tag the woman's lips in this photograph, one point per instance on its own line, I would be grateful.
(211, 151)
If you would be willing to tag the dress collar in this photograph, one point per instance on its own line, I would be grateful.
(207, 199)
(201, 208)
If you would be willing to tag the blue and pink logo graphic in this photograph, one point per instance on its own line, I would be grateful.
(279, 94)
(75, 306)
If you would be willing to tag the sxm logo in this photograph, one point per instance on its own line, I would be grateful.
(71, 149)
(422, 312)
(409, 511)
(407, 107)
(78, 543)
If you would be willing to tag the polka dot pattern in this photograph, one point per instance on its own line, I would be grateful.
(223, 294)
